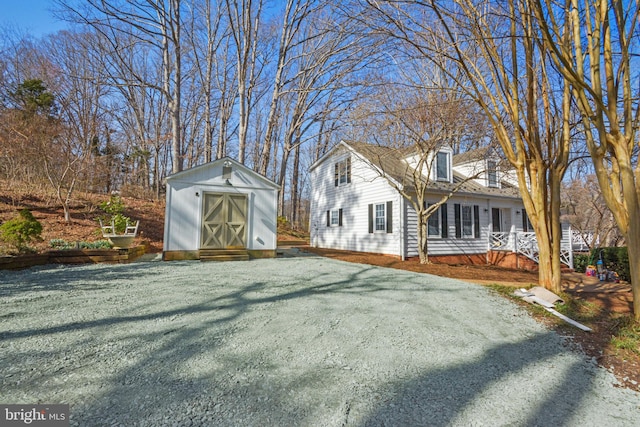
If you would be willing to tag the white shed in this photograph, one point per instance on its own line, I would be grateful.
(222, 210)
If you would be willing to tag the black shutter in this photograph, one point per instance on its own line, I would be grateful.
(370, 218)
(476, 221)
(340, 217)
(525, 220)
(328, 218)
(389, 217)
(337, 174)
(348, 169)
(444, 232)
(456, 211)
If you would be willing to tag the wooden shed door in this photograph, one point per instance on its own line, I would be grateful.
(224, 221)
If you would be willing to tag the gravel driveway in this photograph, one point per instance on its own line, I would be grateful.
(304, 341)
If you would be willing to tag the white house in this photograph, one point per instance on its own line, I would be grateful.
(354, 206)
(220, 209)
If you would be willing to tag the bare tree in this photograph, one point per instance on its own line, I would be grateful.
(294, 16)
(81, 94)
(585, 209)
(594, 45)
(244, 21)
(504, 68)
(154, 24)
(62, 155)
(409, 127)
(207, 34)
(319, 71)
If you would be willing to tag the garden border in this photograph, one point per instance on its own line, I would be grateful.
(73, 256)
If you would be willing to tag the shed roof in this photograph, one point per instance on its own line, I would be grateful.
(185, 173)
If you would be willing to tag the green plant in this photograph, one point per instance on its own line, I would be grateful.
(614, 259)
(580, 262)
(627, 335)
(21, 231)
(282, 221)
(61, 244)
(114, 213)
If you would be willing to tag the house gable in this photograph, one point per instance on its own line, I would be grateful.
(363, 211)
(352, 206)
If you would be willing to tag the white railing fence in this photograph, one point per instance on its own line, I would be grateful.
(526, 243)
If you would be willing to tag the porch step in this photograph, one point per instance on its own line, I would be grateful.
(224, 255)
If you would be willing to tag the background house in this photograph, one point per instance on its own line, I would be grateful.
(354, 206)
(221, 210)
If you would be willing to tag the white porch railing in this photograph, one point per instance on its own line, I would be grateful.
(584, 241)
(526, 243)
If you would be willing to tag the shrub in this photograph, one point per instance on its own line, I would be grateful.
(580, 262)
(114, 212)
(61, 244)
(21, 231)
(614, 259)
(617, 259)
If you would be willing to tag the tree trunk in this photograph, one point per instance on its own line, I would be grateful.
(422, 240)
(633, 252)
(282, 179)
(295, 205)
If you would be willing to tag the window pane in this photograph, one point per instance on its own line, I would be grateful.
(334, 217)
(467, 221)
(380, 218)
(433, 224)
(442, 166)
(492, 173)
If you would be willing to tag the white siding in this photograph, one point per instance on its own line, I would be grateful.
(184, 206)
(366, 187)
(480, 167)
(455, 246)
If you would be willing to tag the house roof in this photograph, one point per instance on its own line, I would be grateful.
(390, 162)
(472, 155)
(480, 154)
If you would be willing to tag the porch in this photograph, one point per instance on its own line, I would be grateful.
(526, 243)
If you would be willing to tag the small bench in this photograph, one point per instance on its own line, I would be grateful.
(109, 230)
(123, 240)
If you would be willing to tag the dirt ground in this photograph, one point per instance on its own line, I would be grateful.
(614, 299)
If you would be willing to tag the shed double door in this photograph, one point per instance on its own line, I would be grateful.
(224, 221)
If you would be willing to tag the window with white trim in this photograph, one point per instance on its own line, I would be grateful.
(442, 166)
(334, 218)
(433, 223)
(380, 217)
(467, 221)
(342, 172)
(492, 173)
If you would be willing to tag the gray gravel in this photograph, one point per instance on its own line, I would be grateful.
(303, 341)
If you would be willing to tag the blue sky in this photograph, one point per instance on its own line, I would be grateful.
(31, 16)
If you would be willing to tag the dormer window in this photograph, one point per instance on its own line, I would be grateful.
(343, 172)
(492, 173)
(442, 166)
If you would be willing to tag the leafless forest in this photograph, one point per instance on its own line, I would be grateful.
(136, 90)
